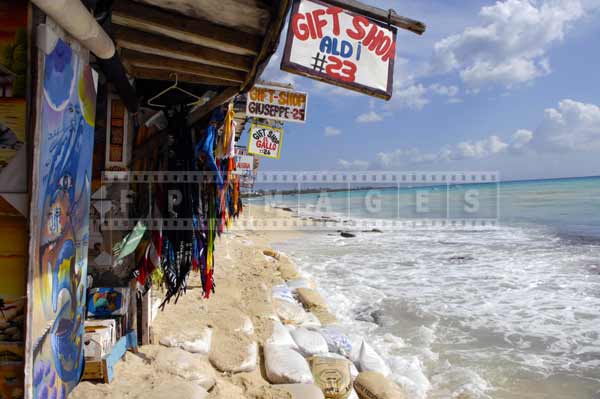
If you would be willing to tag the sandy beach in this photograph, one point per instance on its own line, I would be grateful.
(244, 277)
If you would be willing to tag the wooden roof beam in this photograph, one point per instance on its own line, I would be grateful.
(151, 43)
(138, 59)
(154, 20)
(167, 75)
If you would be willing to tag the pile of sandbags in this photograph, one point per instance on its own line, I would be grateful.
(369, 360)
(283, 293)
(281, 336)
(337, 341)
(289, 313)
(311, 299)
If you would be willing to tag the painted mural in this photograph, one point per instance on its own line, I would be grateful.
(13, 77)
(60, 227)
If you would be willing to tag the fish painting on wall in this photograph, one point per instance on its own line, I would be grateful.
(60, 224)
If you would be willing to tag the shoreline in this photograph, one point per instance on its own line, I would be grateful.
(239, 315)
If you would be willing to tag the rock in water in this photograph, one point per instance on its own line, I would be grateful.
(345, 234)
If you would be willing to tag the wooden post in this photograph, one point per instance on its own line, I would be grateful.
(132, 311)
(146, 317)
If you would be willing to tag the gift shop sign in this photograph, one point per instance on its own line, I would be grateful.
(272, 103)
(265, 141)
(340, 47)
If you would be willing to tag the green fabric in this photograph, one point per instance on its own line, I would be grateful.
(130, 242)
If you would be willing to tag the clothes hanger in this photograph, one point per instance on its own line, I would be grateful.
(174, 86)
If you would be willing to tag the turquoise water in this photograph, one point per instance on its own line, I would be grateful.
(505, 310)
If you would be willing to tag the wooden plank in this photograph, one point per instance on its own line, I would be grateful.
(138, 59)
(381, 15)
(167, 75)
(93, 370)
(167, 47)
(153, 20)
(217, 100)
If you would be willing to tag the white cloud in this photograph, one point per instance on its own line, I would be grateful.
(353, 165)
(520, 139)
(509, 48)
(332, 131)
(369, 117)
(448, 91)
(572, 126)
(411, 97)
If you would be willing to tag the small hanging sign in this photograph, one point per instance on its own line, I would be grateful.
(274, 103)
(340, 47)
(265, 141)
(244, 164)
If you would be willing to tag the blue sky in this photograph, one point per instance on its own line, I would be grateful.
(511, 86)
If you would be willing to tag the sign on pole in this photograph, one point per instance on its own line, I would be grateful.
(265, 141)
(244, 164)
(275, 103)
(340, 47)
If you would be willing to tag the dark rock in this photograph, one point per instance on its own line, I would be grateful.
(461, 259)
(345, 234)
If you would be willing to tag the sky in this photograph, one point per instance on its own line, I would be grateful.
(509, 86)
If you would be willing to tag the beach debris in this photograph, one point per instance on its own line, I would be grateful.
(374, 385)
(289, 313)
(311, 299)
(309, 343)
(193, 368)
(281, 336)
(369, 360)
(332, 376)
(337, 341)
(272, 253)
(286, 366)
(373, 231)
(233, 352)
(346, 234)
(302, 391)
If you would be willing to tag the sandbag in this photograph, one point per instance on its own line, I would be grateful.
(373, 385)
(332, 376)
(369, 360)
(190, 367)
(337, 341)
(309, 343)
(289, 313)
(302, 391)
(272, 253)
(311, 321)
(288, 271)
(353, 369)
(311, 299)
(233, 352)
(200, 344)
(325, 316)
(300, 283)
(286, 366)
(282, 292)
(281, 336)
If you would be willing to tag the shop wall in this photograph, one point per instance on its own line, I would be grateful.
(64, 138)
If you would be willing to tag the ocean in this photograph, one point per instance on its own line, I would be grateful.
(505, 307)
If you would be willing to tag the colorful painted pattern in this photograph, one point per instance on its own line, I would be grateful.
(58, 286)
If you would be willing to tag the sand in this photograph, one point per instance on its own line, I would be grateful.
(243, 277)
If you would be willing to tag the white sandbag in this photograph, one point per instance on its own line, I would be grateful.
(337, 341)
(369, 360)
(190, 367)
(300, 283)
(286, 366)
(249, 363)
(169, 342)
(282, 292)
(353, 370)
(200, 344)
(233, 352)
(311, 321)
(310, 343)
(289, 313)
(281, 336)
(302, 391)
